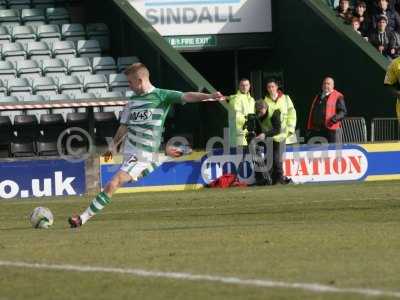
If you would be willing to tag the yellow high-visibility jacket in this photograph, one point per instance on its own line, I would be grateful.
(288, 117)
(243, 104)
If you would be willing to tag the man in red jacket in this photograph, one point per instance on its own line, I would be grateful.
(327, 111)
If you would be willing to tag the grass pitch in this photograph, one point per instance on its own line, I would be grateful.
(342, 236)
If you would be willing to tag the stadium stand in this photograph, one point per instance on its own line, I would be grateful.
(46, 58)
(364, 17)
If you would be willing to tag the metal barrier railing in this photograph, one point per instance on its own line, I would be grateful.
(354, 130)
(385, 129)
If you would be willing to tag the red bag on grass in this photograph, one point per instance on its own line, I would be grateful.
(225, 181)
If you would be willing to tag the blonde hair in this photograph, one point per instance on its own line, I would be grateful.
(137, 69)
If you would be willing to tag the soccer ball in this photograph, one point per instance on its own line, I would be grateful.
(41, 217)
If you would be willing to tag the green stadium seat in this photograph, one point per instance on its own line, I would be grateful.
(70, 85)
(29, 69)
(88, 48)
(64, 50)
(79, 66)
(33, 17)
(96, 84)
(23, 34)
(54, 68)
(84, 96)
(13, 52)
(126, 61)
(8, 99)
(5, 36)
(99, 32)
(19, 87)
(3, 89)
(19, 4)
(10, 18)
(57, 15)
(112, 95)
(48, 33)
(38, 51)
(73, 32)
(43, 3)
(7, 71)
(45, 86)
(104, 65)
(118, 83)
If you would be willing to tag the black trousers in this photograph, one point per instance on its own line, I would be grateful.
(331, 136)
(264, 156)
(277, 165)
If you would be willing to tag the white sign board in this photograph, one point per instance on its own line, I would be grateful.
(199, 17)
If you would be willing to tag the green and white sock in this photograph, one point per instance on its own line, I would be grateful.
(95, 206)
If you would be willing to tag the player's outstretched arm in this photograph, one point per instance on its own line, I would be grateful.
(193, 97)
(117, 140)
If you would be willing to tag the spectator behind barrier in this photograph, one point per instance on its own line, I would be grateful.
(344, 10)
(243, 103)
(373, 6)
(327, 111)
(355, 24)
(382, 38)
(360, 12)
(393, 18)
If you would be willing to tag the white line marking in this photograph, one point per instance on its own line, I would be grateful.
(310, 287)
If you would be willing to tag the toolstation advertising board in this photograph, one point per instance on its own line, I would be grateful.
(304, 164)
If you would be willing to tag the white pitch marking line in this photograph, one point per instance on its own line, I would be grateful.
(310, 287)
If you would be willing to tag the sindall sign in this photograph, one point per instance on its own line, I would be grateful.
(199, 17)
(323, 166)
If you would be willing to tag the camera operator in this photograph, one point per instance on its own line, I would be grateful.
(268, 125)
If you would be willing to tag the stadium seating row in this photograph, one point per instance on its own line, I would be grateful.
(56, 68)
(116, 110)
(28, 137)
(46, 86)
(20, 4)
(50, 33)
(34, 16)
